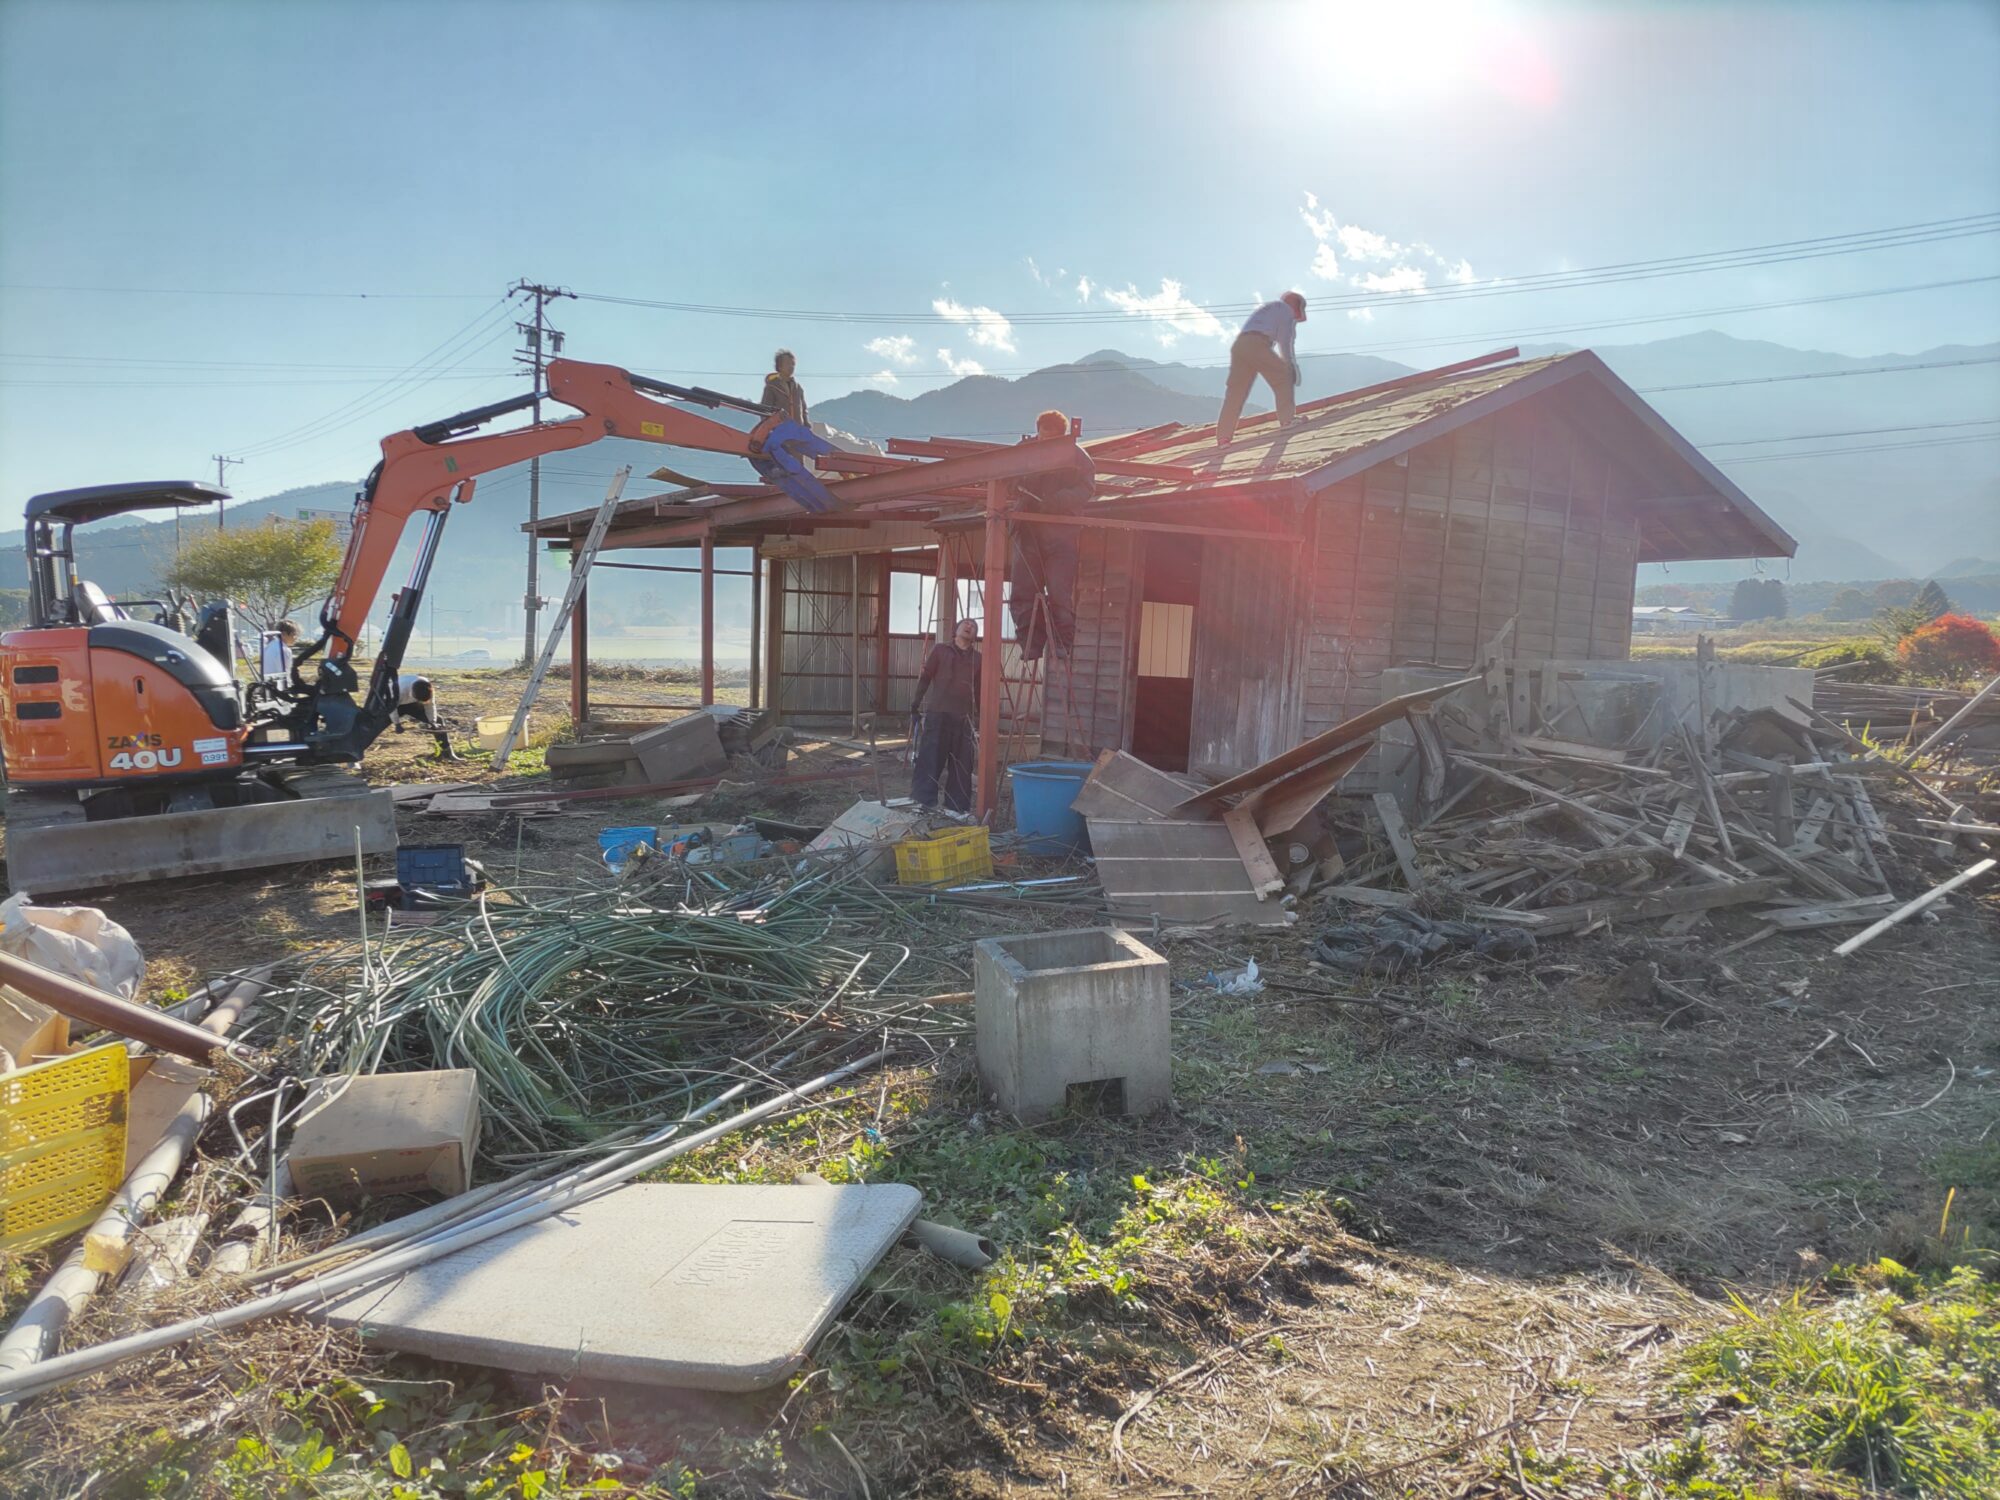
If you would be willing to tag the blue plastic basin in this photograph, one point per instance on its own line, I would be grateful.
(1043, 791)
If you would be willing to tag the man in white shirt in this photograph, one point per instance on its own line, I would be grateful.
(276, 663)
(1265, 347)
(416, 701)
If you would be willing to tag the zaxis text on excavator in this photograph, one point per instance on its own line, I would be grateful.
(132, 752)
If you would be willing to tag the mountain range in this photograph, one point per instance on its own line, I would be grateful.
(1892, 488)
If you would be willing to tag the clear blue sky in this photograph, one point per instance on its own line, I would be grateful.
(880, 157)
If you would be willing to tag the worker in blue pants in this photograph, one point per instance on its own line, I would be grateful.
(946, 742)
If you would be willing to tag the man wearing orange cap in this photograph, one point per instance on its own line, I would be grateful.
(1264, 347)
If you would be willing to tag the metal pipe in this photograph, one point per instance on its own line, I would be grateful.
(992, 652)
(16, 1385)
(87, 1003)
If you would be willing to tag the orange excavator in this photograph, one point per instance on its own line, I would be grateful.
(131, 750)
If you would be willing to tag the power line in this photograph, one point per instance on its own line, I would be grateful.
(212, 291)
(1802, 437)
(1749, 256)
(1771, 458)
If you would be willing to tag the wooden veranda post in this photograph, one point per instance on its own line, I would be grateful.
(774, 641)
(707, 618)
(579, 656)
(992, 661)
(756, 627)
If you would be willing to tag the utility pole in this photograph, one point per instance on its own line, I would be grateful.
(221, 464)
(538, 342)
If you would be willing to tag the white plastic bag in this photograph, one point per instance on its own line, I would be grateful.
(1243, 981)
(79, 941)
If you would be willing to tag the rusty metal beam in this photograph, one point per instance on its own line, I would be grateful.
(1125, 468)
(708, 617)
(992, 664)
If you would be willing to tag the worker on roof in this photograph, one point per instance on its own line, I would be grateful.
(782, 393)
(946, 742)
(1265, 347)
(1042, 571)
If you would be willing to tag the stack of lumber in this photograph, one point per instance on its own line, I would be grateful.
(1889, 715)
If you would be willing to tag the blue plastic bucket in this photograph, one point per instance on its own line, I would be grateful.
(615, 845)
(1043, 791)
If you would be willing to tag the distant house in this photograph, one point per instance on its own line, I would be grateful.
(1674, 619)
(1232, 602)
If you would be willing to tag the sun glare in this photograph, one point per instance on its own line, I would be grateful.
(1428, 49)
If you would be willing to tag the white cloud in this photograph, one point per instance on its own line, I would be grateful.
(1170, 309)
(1366, 244)
(1398, 279)
(960, 367)
(984, 326)
(899, 349)
(1362, 314)
(1083, 288)
(1402, 266)
(884, 378)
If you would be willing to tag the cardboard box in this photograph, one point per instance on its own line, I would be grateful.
(29, 1031)
(386, 1133)
(161, 1086)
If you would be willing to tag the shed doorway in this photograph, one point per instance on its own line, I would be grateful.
(1163, 698)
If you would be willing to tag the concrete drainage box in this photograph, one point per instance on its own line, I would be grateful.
(1074, 1020)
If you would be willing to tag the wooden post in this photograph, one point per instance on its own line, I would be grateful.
(579, 656)
(947, 583)
(774, 642)
(992, 659)
(854, 643)
(756, 626)
(707, 618)
(882, 635)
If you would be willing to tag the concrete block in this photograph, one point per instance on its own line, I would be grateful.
(1075, 1019)
(719, 1287)
(69, 855)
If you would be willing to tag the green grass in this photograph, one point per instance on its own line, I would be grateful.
(1890, 1388)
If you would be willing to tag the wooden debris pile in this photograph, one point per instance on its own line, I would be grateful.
(1776, 812)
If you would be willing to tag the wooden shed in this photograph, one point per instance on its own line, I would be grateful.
(1231, 602)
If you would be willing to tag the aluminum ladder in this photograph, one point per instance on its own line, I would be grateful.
(579, 574)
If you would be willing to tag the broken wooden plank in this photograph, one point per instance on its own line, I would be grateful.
(1398, 834)
(1807, 837)
(1558, 919)
(1833, 914)
(1570, 749)
(1279, 806)
(1319, 746)
(1910, 908)
(1122, 786)
(1778, 805)
(1262, 869)
(1680, 825)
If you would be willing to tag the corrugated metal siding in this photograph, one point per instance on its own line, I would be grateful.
(816, 664)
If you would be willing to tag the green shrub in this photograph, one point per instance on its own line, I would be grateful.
(1874, 661)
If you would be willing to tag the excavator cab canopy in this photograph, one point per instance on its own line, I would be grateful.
(97, 501)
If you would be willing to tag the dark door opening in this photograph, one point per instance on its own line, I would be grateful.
(1163, 703)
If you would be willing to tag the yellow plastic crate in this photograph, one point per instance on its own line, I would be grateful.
(945, 858)
(62, 1144)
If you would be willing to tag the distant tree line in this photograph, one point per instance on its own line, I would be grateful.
(1856, 602)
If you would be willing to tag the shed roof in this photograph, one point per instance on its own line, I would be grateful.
(1690, 509)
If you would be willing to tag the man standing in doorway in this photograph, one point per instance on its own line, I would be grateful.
(946, 748)
(782, 393)
(1265, 347)
(1042, 574)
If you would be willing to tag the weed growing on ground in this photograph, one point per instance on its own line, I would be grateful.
(1889, 1388)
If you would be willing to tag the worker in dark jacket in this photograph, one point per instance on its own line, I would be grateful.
(944, 731)
(783, 394)
(1043, 567)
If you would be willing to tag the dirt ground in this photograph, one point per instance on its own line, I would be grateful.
(1442, 1236)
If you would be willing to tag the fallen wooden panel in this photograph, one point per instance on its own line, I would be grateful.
(1835, 914)
(1256, 856)
(1180, 872)
(1319, 746)
(462, 804)
(408, 792)
(69, 856)
(1123, 787)
(1279, 806)
(1910, 908)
